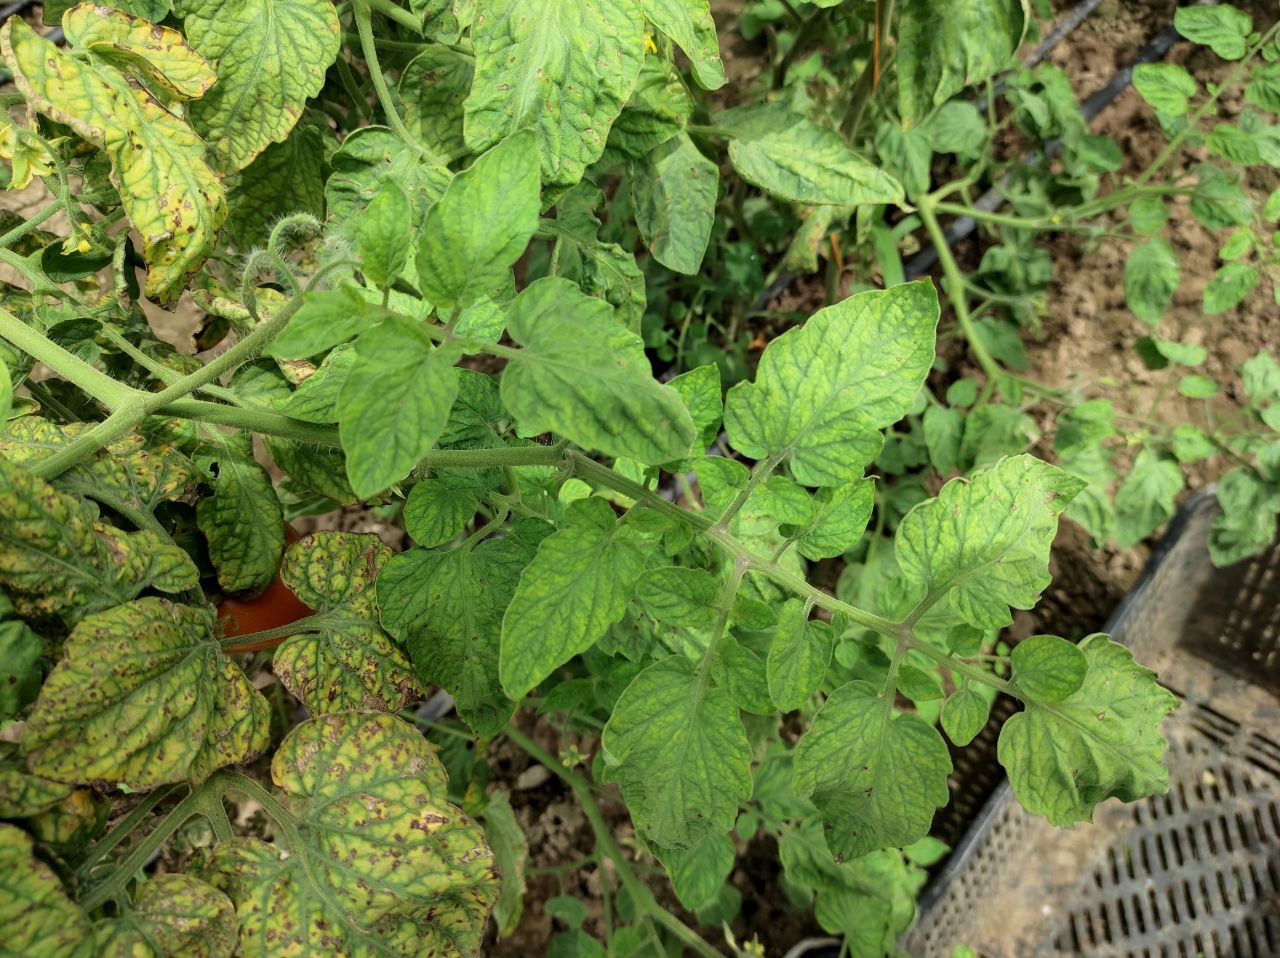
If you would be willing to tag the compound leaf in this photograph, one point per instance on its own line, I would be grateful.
(823, 391)
(679, 753)
(575, 588)
(561, 67)
(382, 863)
(985, 541)
(481, 225)
(58, 560)
(1222, 28)
(38, 917)
(876, 776)
(1102, 741)
(270, 56)
(144, 696)
(158, 162)
(347, 661)
(943, 49)
(394, 403)
(447, 608)
(587, 378)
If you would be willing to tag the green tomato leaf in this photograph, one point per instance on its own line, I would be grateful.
(679, 753)
(699, 871)
(447, 608)
(1166, 86)
(432, 88)
(800, 161)
(1228, 288)
(673, 190)
(480, 226)
(965, 714)
(511, 853)
(284, 178)
(876, 776)
(144, 696)
(39, 919)
(680, 596)
(585, 377)
(558, 66)
(169, 192)
(172, 914)
(985, 541)
(1263, 89)
(824, 390)
(1048, 668)
(326, 318)
(382, 863)
(394, 404)
(1222, 28)
(242, 520)
(20, 672)
(689, 25)
(839, 520)
(659, 108)
(1102, 741)
(1145, 499)
(1151, 275)
(798, 657)
(270, 56)
(60, 562)
(700, 390)
(437, 510)
(1247, 525)
(345, 661)
(941, 50)
(1147, 215)
(575, 588)
(384, 233)
(741, 672)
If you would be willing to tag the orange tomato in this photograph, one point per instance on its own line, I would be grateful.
(276, 606)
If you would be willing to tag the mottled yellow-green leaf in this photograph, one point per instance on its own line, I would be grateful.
(71, 823)
(135, 470)
(170, 194)
(59, 561)
(383, 864)
(270, 56)
(347, 661)
(23, 794)
(159, 54)
(144, 696)
(172, 915)
(38, 918)
(285, 178)
(242, 520)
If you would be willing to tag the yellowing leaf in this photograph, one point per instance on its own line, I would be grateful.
(159, 54)
(347, 661)
(144, 696)
(381, 864)
(58, 561)
(170, 194)
(171, 915)
(270, 55)
(37, 916)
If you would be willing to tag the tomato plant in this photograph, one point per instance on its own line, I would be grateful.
(439, 248)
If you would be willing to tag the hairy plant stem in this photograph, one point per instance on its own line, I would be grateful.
(608, 848)
(269, 638)
(122, 830)
(956, 296)
(22, 229)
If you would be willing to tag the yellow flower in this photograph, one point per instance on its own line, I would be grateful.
(78, 241)
(26, 154)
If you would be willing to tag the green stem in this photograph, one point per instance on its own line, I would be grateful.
(130, 414)
(607, 847)
(723, 605)
(114, 887)
(22, 229)
(956, 296)
(370, 53)
(123, 829)
(759, 473)
(33, 274)
(255, 420)
(241, 643)
(70, 367)
(396, 13)
(154, 366)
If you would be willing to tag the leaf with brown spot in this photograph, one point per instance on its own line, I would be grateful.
(144, 696)
(59, 562)
(38, 918)
(171, 915)
(382, 864)
(347, 661)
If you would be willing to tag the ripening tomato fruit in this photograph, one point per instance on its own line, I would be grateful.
(276, 606)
